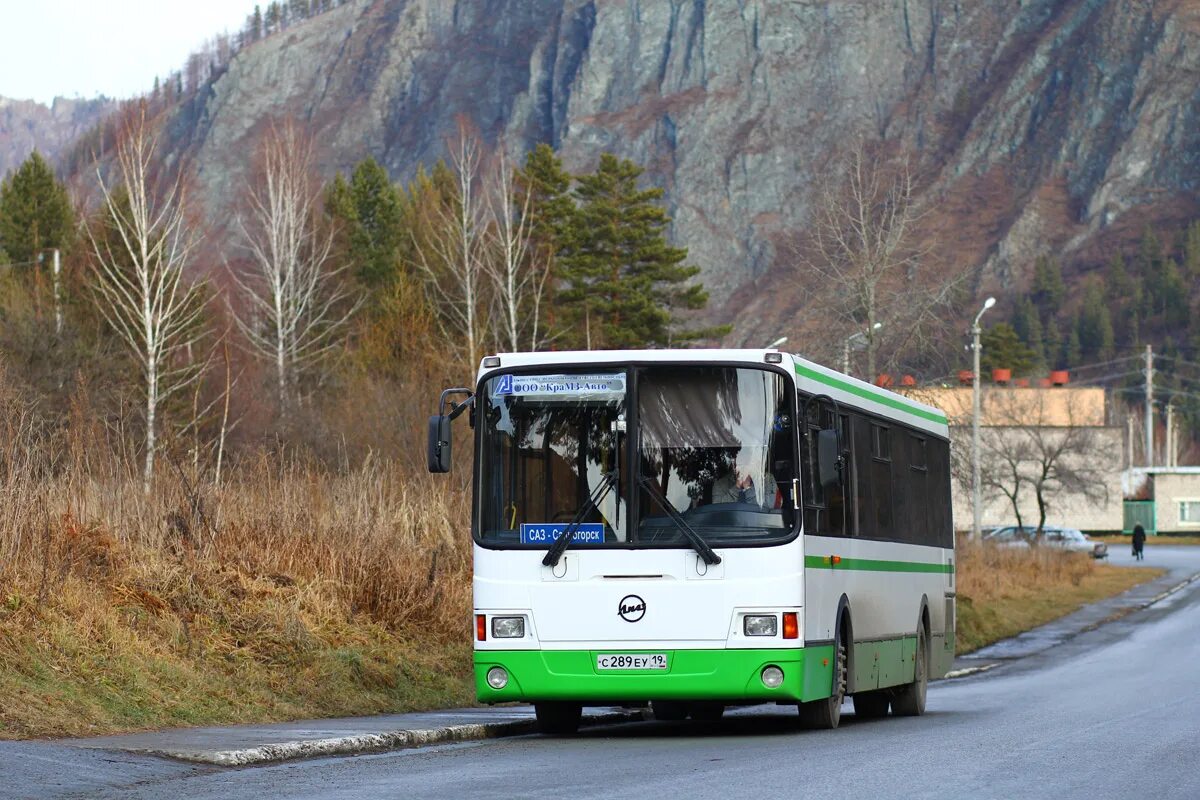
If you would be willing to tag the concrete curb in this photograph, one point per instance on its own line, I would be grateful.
(1176, 588)
(375, 742)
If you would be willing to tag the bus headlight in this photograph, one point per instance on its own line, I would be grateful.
(508, 627)
(760, 625)
(772, 677)
(497, 677)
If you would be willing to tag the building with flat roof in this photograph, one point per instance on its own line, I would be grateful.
(1163, 499)
(1022, 429)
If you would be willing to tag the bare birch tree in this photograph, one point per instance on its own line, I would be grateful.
(296, 304)
(518, 284)
(865, 250)
(139, 284)
(452, 252)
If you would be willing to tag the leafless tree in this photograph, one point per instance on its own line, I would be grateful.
(452, 252)
(139, 283)
(519, 284)
(864, 257)
(1051, 453)
(297, 305)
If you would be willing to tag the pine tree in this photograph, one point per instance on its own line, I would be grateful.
(1191, 252)
(370, 212)
(35, 212)
(1002, 348)
(1119, 284)
(1048, 287)
(1175, 295)
(623, 280)
(1095, 326)
(1028, 326)
(1054, 345)
(1074, 354)
(1149, 266)
(551, 209)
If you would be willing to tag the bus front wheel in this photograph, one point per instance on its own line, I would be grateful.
(558, 718)
(827, 713)
(910, 700)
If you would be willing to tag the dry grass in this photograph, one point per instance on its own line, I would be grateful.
(290, 591)
(1004, 591)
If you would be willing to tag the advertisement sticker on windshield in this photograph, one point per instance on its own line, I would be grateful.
(547, 532)
(546, 386)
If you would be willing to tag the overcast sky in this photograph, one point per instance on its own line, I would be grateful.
(84, 48)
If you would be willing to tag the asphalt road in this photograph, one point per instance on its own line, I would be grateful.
(1111, 713)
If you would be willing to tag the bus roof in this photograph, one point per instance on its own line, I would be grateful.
(810, 377)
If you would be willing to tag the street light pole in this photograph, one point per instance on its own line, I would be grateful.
(852, 339)
(976, 503)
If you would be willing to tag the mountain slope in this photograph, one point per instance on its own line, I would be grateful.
(52, 129)
(1040, 125)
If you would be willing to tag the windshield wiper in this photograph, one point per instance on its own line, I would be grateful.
(707, 553)
(592, 503)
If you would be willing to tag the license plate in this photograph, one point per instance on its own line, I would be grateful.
(631, 661)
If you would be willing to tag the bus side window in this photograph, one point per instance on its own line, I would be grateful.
(826, 512)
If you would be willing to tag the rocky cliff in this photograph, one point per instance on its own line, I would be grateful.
(1040, 125)
(52, 129)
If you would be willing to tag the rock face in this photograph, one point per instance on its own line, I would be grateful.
(25, 125)
(1040, 125)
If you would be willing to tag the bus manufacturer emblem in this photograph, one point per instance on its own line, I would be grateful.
(631, 608)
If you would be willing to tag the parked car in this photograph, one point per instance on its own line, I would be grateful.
(1052, 536)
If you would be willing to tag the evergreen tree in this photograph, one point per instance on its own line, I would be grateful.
(1191, 252)
(1119, 284)
(1002, 348)
(1175, 295)
(1048, 287)
(622, 278)
(1074, 354)
(35, 212)
(1054, 345)
(1095, 326)
(369, 210)
(1150, 267)
(544, 190)
(1028, 326)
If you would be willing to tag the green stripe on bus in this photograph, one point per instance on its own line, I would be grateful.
(873, 565)
(887, 399)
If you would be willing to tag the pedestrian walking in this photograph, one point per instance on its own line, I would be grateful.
(1139, 542)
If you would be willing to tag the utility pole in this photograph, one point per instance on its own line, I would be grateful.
(1170, 445)
(1149, 406)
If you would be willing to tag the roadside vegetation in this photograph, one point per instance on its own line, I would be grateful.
(1161, 539)
(1003, 591)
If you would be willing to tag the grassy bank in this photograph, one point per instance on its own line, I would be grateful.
(289, 592)
(1004, 591)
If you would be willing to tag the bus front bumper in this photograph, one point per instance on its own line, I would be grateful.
(730, 676)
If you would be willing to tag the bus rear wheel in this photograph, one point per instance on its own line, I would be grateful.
(558, 718)
(909, 701)
(827, 713)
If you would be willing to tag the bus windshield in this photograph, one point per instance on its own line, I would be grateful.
(709, 443)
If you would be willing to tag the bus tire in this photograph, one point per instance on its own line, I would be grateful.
(909, 701)
(558, 718)
(669, 710)
(707, 712)
(871, 705)
(827, 713)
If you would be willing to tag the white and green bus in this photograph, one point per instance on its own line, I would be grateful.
(695, 529)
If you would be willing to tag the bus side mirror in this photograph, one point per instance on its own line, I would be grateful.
(827, 457)
(439, 443)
